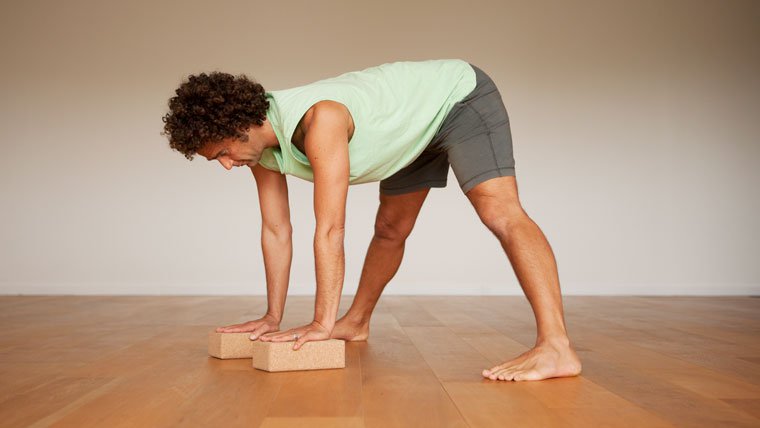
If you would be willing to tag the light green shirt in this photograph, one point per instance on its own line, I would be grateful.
(396, 107)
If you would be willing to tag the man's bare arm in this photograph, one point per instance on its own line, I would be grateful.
(326, 144)
(276, 236)
(277, 247)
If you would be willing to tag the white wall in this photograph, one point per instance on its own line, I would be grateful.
(635, 126)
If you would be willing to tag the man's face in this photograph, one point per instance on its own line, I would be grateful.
(231, 152)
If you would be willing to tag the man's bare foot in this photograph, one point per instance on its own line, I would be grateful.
(350, 330)
(546, 360)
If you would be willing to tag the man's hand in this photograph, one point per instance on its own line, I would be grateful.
(307, 333)
(265, 324)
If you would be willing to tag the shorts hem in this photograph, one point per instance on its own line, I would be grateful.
(415, 187)
(506, 171)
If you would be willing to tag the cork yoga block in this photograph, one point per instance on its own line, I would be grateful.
(280, 356)
(230, 345)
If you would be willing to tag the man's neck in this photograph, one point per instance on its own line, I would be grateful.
(265, 133)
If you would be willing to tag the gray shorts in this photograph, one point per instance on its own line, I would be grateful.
(474, 139)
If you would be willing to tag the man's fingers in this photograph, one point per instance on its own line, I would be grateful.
(256, 333)
(271, 336)
(259, 332)
(301, 340)
(286, 336)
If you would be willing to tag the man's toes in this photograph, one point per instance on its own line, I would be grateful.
(495, 369)
(507, 374)
(528, 375)
(495, 375)
(491, 371)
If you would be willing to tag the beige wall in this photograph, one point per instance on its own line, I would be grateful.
(635, 123)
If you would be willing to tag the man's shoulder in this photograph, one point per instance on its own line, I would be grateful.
(327, 111)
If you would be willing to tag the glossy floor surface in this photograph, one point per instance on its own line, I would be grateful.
(84, 361)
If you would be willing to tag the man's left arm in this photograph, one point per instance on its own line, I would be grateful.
(326, 146)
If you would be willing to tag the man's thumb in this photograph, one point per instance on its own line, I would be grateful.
(301, 340)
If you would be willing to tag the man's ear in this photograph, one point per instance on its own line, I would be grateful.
(245, 134)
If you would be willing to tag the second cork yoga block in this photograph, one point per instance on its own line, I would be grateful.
(229, 345)
(280, 356)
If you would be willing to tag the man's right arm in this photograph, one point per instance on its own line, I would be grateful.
(276, 236)
(277, 246)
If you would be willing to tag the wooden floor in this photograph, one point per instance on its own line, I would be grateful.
(141, 361)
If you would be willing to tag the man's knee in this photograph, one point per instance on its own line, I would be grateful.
(500, 219)
(497, 203)
(397, 214)
(393, 229)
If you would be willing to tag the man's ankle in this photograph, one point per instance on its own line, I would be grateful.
(557, 340)
(357, 318)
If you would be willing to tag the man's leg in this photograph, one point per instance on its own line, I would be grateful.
(497, 203)
(394, 222)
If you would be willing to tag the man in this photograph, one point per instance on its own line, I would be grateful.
(401, 124)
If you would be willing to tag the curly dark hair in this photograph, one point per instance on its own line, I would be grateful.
(212, 107)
